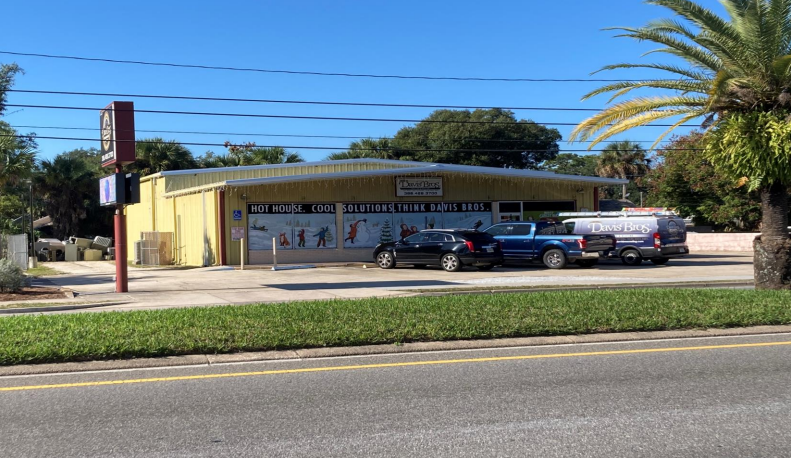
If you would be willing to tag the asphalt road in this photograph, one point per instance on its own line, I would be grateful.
(732, 398)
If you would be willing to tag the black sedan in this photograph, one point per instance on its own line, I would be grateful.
(451, 249)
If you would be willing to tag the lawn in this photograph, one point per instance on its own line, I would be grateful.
(42, 271)
(225, 329)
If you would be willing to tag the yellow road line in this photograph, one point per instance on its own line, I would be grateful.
(386, 365)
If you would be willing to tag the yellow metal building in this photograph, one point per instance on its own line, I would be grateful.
(336, 211)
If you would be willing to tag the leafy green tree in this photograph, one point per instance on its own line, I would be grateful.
(572, 164)
(735, 75)
(685, 180)
(367, 148)
(17, 155)
(154, 155)
(493, 138)
(7, 74)
(249, 154)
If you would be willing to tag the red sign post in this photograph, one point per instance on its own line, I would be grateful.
(118, 149)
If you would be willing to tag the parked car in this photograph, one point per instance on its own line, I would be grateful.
(549, 242)
(654, 237)
(451, 249)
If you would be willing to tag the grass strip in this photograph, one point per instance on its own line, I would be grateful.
(225, 329)
(43, 271)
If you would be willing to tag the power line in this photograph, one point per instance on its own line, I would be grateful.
(314, 73)
(317, 118)
(301, 102)
(342, 137)
(340, 148)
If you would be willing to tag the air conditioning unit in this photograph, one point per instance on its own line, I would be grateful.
(138, 251)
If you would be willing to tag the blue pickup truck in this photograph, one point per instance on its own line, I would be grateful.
(550, 243)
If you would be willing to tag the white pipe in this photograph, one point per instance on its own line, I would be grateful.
(242, 258)
(274, 254)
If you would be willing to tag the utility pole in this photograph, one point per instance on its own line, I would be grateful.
(32, 229)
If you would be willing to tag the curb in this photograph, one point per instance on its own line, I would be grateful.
(542, 289)
(386, 349)
(57, 308)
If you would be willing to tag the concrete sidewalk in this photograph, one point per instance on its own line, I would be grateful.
(169, 287)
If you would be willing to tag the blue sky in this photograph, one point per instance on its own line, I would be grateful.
(518, 39)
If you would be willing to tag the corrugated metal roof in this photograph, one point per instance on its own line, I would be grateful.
(179, 181)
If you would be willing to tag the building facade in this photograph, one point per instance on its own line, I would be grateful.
(337, 211)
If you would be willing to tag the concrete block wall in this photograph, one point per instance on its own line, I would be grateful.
(735, 241)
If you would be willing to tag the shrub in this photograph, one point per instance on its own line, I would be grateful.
(11, 276)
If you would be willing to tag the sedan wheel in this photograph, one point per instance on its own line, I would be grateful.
(385, 260)
(451, 263)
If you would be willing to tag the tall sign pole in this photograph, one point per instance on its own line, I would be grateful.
(118, 149)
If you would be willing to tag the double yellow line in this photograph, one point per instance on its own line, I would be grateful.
(388, 365)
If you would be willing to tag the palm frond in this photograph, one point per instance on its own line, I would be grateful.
(683, 86)
(685, 72)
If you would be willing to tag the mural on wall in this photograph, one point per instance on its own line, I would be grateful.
(314, 226)
(546, 210)
(367, 224)
(267, 221)
(410, 218)
(467, 215)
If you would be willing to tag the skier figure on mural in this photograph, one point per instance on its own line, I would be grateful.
(353, 230)
(301, 235)
(322, 235)
(477, 225)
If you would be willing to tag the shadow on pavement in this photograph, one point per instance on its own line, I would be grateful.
(361, 284)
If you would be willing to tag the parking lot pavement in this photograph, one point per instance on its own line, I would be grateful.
(163, 287)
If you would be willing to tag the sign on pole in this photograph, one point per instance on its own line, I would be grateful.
(118, 134)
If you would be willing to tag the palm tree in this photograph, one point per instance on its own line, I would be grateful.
(625, 159)
(367, 148)
(255, 155)
(736, 76)
(156, 155)
(66, 185)
(17, 160)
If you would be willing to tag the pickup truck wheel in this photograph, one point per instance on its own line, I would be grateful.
(660, 261)
(485, 267)
(587, 263)
(631, 258)
(451, 263)
(555, 259)
(385, 260)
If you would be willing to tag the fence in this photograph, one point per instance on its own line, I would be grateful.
(154, 249)
(14, 247)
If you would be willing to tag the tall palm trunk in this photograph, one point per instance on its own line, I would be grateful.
(772, 260)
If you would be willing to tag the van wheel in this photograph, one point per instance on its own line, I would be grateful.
(385, 260)
(631, 258)
(660, 261)
(451, 263)
(555, 259)
(587, 263)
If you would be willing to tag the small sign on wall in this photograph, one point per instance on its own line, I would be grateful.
(418, 186)
(237, 234)
(237, 215)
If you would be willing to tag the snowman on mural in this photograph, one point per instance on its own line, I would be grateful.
(358, 231)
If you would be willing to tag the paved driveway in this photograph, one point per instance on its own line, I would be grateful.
(158, 287)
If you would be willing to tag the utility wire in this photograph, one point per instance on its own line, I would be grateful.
(342, 137)
(317, 118)
(302, 102)
(314, 73)
(341, 148)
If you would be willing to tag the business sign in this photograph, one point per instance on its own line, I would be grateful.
(108, 190)
(237, 234)
(293, 226)
(117, 124)
(119, 189)
(418, 186)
